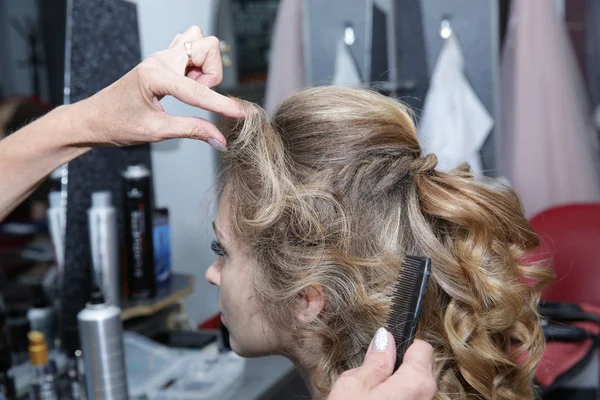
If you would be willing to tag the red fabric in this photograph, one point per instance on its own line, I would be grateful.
(213, 322)
(571, 241)
(560, 357)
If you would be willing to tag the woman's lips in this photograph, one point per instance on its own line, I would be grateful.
(223, 319)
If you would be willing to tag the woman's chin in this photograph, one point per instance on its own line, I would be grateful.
(247, 351)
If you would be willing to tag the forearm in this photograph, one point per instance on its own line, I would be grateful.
(29, 155)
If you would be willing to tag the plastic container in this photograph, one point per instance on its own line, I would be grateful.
(145, 361)
(159, 372)
(200, 377)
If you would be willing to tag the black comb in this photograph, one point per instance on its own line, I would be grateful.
(407, 301)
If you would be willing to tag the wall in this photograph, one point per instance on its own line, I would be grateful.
(323, 27)
(418, 45)
(183, 169)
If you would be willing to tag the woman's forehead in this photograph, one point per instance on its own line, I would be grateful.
(222, 223)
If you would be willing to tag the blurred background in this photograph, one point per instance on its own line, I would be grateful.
(512, 87)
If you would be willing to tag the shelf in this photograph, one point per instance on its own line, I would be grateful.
(181, 286)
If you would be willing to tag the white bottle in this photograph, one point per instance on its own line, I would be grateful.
(104, 247)
(56, 223)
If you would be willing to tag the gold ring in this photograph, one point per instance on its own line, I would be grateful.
(188, 50)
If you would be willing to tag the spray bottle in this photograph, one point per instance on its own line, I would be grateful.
(103, 350)
(44, 385)
(102, 218)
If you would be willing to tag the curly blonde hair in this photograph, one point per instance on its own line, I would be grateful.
(334, 190)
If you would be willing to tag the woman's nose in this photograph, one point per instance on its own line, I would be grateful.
(213, 274)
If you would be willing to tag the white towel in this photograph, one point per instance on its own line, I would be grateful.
(346, 71)
(454, 123)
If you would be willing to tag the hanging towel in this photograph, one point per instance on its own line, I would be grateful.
(286, 62)
(547, 148)
(454, 124)
(346, 71)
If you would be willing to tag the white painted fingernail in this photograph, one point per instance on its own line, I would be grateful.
(380, 341)
(217, 145)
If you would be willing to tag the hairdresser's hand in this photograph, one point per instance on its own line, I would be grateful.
(128, 112)
(374, 380)
(125, 113)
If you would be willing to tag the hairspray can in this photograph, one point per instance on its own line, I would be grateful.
(102, 220)
(141, 278)
(102, 346)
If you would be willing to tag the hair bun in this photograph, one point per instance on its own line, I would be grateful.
(425, 165)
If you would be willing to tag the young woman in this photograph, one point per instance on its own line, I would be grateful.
(318, 206)
(128, 112)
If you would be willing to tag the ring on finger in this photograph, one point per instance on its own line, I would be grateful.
(188, 50)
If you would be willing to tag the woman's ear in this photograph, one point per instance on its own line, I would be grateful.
(310, 303)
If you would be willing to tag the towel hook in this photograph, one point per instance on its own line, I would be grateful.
(349, 36)
(445, 28)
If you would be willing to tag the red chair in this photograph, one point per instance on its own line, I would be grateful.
(570, 237)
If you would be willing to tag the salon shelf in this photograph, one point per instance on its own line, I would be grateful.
(181, 286)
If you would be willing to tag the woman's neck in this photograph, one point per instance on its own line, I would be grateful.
(305, 359)
(307, 376)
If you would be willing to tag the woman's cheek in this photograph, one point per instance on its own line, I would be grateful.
(226, 294)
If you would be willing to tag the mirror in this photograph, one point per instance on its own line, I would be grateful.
(246, 27)
(31, 84)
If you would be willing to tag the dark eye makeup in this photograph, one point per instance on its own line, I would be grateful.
(217, 248)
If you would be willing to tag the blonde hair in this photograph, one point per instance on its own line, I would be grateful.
(334, 190)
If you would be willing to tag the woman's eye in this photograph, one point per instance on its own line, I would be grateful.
(216, 247)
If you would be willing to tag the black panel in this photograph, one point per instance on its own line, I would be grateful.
(412, 60)
(379, 47)
(104, 45)
(52, 15)
(593, 50)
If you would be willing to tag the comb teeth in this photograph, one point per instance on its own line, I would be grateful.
(407, 298)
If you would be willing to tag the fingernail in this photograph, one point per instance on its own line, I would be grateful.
(380, 341)
(217, 145)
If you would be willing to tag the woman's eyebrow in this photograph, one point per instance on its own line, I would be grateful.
(214, 225)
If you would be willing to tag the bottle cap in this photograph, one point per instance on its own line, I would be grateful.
(136, 171)
(97, 298)
(101, 199)
(38, 351)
